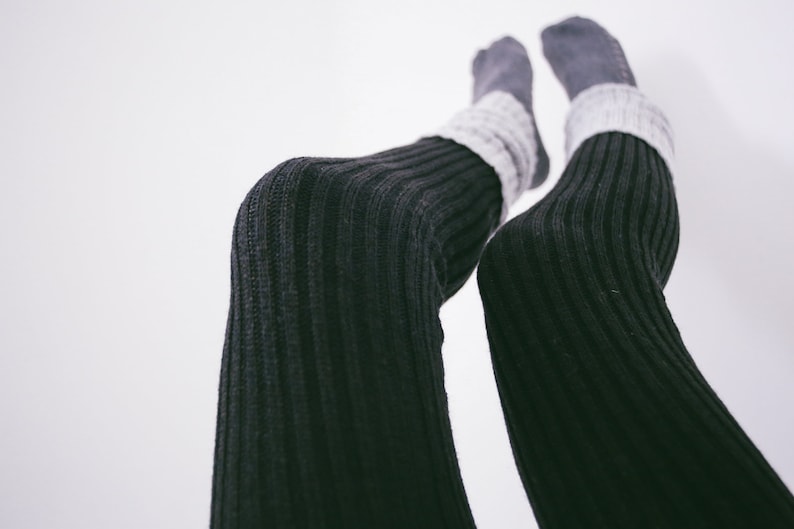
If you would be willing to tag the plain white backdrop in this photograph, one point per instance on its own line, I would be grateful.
(131, 130)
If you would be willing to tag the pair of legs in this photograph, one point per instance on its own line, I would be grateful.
(332, 409)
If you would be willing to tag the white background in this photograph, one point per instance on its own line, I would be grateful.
(131, 130)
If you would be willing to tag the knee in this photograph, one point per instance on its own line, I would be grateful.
(272, 205)
(312, 199)
(280, 186)
(526, 248)
(320, 188)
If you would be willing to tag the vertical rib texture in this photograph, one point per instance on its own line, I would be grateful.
(502, 132)
(332, 410)
(611, 107)
(611, 422)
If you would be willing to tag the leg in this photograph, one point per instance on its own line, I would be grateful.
(611, 422)
(332, 410)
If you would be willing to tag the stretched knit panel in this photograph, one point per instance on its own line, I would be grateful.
(332, 410)
(610, 420)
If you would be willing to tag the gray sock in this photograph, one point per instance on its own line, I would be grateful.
(583, 54)
(505, 66)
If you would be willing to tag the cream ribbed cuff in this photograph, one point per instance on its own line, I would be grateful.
(612, 107)
(499, 130)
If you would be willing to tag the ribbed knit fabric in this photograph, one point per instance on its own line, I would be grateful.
(332, 410)
(611, 422)
(612, 107)
(501, 132)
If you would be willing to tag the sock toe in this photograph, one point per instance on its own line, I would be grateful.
(582, 54)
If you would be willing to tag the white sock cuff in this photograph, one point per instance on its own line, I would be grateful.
(499, 130)
(612, 107)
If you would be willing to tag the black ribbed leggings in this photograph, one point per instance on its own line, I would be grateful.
(332, 411)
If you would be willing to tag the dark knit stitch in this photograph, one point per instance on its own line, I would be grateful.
(611, 422)
(332, 410)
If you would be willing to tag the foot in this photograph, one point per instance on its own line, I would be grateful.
(504, 66)
(583, 54)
